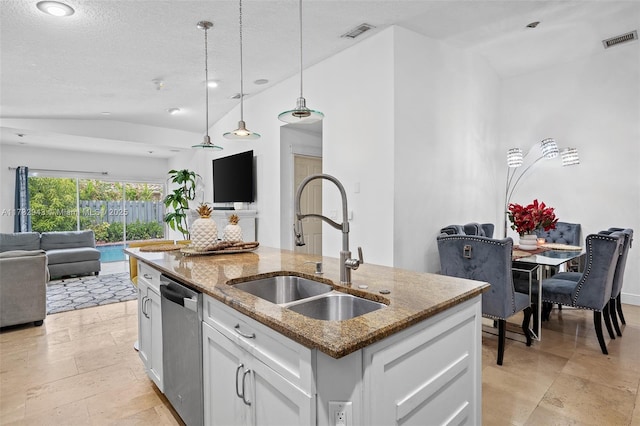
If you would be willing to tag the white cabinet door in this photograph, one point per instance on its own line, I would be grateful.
(276, 401)
(155, 362)
(241, 390)
(150, 332)
(144, 325)
(224, 372)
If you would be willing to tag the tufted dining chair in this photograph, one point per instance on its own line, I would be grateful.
(472, 228)
(485, 259)
(615, 304)
(593, 288)
(564, 233)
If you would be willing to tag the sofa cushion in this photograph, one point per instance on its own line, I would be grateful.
(20, 253)
(20, 241)
(70, 255)
(65, 240)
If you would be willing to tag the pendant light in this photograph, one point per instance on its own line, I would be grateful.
(301, 114)
(241, 133)
(206, 143)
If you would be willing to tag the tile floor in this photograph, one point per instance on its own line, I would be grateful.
(80, 368)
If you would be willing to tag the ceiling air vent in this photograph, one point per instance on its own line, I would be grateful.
(623, 38)
(355, 32)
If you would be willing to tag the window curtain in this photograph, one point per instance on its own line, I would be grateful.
(22, 217)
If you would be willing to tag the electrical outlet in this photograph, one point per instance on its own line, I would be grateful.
(340, 413)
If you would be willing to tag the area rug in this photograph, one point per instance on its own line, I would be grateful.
(84, 292)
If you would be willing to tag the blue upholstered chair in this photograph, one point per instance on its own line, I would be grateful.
(472, 228)
(485, 259)
(564, 233)
(593, 289)
(615, 304)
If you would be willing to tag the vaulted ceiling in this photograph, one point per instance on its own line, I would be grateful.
(137, 59)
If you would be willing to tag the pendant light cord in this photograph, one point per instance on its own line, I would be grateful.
(206, 80)
(300, 13)
(241, 70)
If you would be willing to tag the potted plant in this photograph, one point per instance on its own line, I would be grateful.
(525, 220)
(178, 200)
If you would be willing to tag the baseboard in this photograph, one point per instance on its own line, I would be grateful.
(631, 299)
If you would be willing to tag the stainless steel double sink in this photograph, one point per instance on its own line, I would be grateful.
(310, 298)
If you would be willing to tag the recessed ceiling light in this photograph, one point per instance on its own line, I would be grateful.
(212, 84)
(55, 8)
(173, 111)
(261, 81)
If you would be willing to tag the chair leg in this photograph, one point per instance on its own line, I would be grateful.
(614, 318)
(607, 321)
(501, 339)
(597, 322)
(525, 324)
(536, 322)
(546, 310)
(619, 308)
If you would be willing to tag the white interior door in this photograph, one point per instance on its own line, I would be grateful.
(310, 202)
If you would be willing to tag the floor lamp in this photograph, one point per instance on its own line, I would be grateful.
(515, 172)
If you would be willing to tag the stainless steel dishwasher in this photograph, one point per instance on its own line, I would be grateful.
(182, 349)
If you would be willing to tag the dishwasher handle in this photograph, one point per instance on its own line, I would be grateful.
(175, 295)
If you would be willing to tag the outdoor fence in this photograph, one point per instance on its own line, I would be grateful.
(114, 211)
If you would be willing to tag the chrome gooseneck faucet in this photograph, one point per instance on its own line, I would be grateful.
(346, 262)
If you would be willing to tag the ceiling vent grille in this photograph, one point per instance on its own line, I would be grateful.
(623, 38)
(355, 32)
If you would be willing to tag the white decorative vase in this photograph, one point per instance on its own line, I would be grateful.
(233, 231)
(204, 233)
(528, 242)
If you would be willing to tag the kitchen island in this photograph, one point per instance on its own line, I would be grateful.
(417, 360)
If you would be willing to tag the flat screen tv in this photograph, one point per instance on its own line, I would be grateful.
(233, 178)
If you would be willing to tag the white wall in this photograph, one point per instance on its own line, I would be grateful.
(445, 145)
(118, 167)
(592, 104)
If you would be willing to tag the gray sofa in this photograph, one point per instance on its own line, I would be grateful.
(23, 287)
(68, 253)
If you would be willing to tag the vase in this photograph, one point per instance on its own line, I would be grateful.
(528, 242)
(204, 233)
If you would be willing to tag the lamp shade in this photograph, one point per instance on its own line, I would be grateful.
(514, 157)
(570, 157)
(549, 148)
(242, 133)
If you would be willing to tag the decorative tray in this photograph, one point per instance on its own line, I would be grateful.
(222, 248)
(160, 247)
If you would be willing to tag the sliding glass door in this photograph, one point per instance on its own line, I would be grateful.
(117, 212)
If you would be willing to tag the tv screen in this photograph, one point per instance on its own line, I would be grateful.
(233, 178)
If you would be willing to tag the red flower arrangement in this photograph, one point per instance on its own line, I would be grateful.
(526, 219)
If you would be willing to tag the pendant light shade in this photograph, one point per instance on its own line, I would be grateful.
(301, 114)
(206, 142)
(241, 133)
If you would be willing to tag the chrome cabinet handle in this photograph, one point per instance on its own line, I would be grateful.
(147, 276)
(143, 302)
(146, 313)
(244, 376)
(238, 371)
(248, 336)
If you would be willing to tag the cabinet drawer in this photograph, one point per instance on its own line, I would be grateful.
(288, 358)
(150, 276)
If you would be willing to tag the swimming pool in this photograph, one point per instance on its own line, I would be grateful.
(112, 253)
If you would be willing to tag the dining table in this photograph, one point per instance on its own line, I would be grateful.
(540, 263)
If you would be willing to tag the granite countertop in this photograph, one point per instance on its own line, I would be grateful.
(412, 297)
